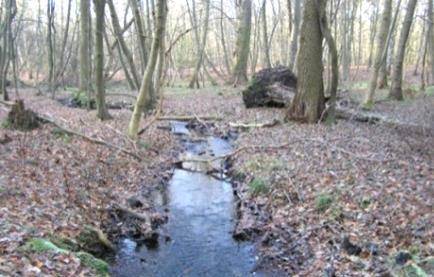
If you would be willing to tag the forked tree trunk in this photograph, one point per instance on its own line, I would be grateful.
(326, 32)
(123, 44)
(381, 44)
(145, 96)
(308, 104)
(397, 72)
(200, 44)
(243, 42)
(102, 112)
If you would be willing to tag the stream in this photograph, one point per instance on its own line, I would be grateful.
(197, 240)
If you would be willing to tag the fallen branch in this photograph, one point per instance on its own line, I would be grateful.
(374, 118)
(189, 117)
(48, 119)
(255, 125)
(92, 140)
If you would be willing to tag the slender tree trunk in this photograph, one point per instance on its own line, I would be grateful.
(381, 44)
(123, 44)
(430, 37)
(266, 48)
(145, 89)
(85, 71)
(138, 23)
(61, 66)
(308, 103)
(243, 42)
(326, 32)
(50, 25)
(7, 50)
(201, 44)
(295, 34)
(397, 70)
(102, 112)
(223, 40)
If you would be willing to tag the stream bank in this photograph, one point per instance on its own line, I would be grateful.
(200, 203)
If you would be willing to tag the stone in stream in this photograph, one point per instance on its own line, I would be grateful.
(270, 87)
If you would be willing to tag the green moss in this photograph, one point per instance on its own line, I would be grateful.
(100, 266)
(323, 201)
(42, 245)
(64, 242)
(257, 185)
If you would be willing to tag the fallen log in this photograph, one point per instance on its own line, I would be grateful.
(375, 118)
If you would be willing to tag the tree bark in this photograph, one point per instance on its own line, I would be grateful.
(326, 32)
(308, 104)
(50, 46)
(295, 34)
(123, 44)
(266, 48)
(138, 23)
(381, 44)
(397, 72)
(243, 42)
(85, 71)
(102, 112)
(200, 44)
(430, 37)
(144, 96)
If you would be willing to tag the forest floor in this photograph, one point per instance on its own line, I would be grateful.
(301, 202)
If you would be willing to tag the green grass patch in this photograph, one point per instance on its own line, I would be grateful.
(323, 202)
(257, 186)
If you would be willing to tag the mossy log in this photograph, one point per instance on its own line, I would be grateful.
(271, 87)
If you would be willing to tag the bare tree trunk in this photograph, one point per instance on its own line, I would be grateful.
(61, 66)
(123, 44)
(430, 37)
(145, 89)
(200, 44)
(397, 72)
(381, 44)
(266, 48)
(138, 23)
(50, 27)
(6, 52)
(308, 103)
(325, 30)
(295, 33)
(102, 112)
(243, 42)
(85, 71)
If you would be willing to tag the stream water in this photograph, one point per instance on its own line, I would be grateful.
(201, 214)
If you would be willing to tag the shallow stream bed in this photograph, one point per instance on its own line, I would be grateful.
(197, 240)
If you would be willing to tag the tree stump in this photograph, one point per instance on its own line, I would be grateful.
(20, 118)
(271, 87)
